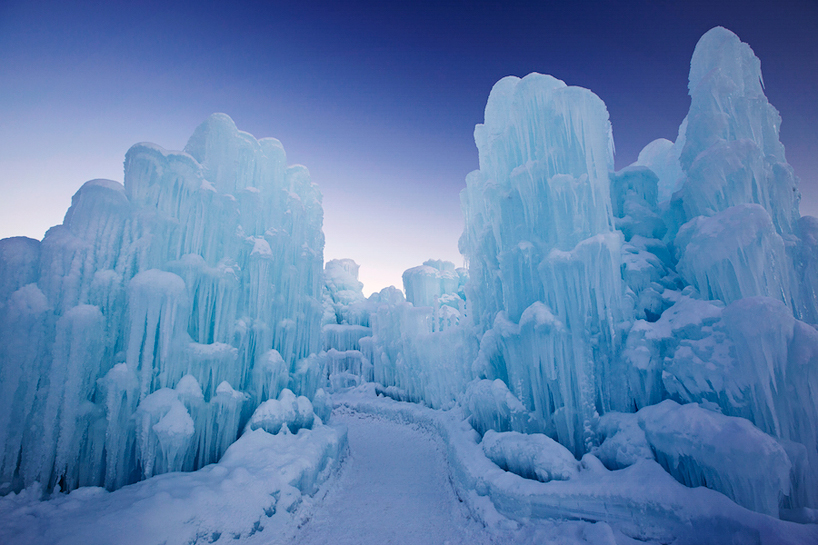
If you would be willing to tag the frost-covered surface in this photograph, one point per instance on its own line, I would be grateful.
(256, 489)
(418, 347)
(760, 363)
(288, 411)
(595, 294)
(543, 254)
(206, 264)
(732, 153)
(703, 447)
(396, 487)
(641, 502)
(429, 284)
(489, 405)
(533, 456)
(637, 348)
(735, 254)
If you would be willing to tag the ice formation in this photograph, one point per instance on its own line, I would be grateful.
(685, 278)
(257, 486)
(140, 334)
(702, 447)
(614, 330)
(533, 456)
(544, 257)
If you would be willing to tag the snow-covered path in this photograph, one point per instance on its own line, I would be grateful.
(393, 488)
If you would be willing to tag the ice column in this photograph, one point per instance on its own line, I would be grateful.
(203, 272)
(543, 254)
(731, 157)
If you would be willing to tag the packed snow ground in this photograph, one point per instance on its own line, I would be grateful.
(260, 486)
(395, 485)
(393, 488)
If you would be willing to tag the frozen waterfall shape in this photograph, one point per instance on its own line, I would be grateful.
(202, 272)
(544, 257)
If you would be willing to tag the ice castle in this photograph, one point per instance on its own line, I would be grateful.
(665, 312)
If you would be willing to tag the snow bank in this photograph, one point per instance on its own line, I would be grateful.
(257, 487)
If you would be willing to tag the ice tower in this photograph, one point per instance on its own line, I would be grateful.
(736, 238)
(544, 258)
(734, 185)
(139, 335)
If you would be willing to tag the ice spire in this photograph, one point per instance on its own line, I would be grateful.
(542, 251)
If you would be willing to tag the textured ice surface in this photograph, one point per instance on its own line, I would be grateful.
(533, 456)
(347, 317)
(254, 490)
(701, 447)
(634, 198)
(417, 351)
(662, 157)
(544, 259)
(734, 254)
(623, 442)
(641, 341)
(344, 294)
(287, 411)
(732, 154)
(206, 263)
(642, 502)
(759, 363)
(410, 352)
(489, 405)
(427, 284)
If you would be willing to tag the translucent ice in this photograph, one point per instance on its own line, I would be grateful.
(205, 268)
(542, 251)
(427, 284)
(622, 441)
(288, 410)
(662, 157)
(728, 454)
(756, 362)
(345, 292)
(732, 153)
(735, 254)
(489, 405)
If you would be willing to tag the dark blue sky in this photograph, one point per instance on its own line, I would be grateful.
(379, 100)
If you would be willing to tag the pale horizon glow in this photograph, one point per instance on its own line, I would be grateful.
(378, 101)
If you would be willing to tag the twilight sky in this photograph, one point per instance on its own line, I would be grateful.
(378, 99)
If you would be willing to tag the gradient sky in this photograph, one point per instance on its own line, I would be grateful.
(378, 99)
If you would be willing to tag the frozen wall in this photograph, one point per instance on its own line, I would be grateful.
(543, 254)
(417, 349)
(139, 335)
(734, 237)
(728, 155)
(708, 300)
